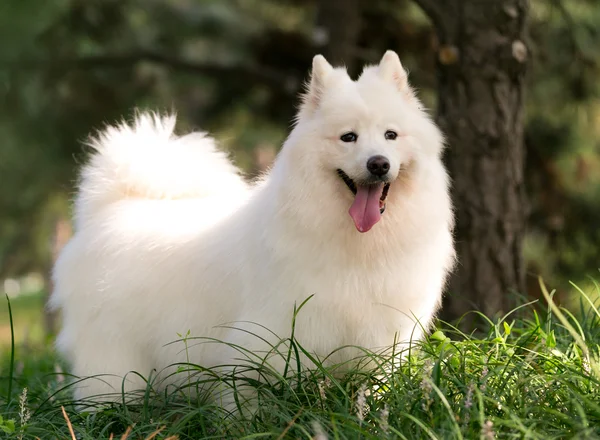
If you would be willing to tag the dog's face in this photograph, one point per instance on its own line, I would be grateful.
(365, 133)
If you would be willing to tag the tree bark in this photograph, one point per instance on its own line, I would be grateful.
(482, 61)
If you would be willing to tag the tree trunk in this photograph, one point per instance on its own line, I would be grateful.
(338, 26)
(482, 60)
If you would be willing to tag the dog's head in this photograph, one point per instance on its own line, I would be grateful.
(363, 134)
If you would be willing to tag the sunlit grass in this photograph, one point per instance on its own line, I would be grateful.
(533, 374)
(28, 319)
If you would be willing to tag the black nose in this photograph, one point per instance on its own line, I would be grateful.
(378, 165)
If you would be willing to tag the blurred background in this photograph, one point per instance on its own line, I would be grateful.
(234, 68)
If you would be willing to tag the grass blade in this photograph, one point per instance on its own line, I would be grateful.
(11, 371)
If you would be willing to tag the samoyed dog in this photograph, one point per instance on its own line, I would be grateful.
(170, 240)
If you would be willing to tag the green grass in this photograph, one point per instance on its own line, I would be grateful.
(534, 374)
(28, 319)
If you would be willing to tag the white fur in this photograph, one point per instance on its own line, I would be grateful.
(169, 238)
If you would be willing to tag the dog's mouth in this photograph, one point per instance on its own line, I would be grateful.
(369, 201)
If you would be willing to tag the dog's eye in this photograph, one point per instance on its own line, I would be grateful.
(349, 137)
(390, 135)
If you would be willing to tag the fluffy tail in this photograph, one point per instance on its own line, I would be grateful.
(145, 160)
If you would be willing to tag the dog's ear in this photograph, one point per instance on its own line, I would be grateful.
(321, 69)
(390, 69)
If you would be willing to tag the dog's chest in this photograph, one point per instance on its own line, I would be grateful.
(353, 297)
(344, 306)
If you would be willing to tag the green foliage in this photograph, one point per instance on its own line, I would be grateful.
(562, 136)
(7, 426)
(528, 376)
(27, 315)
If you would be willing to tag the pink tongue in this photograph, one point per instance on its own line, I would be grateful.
(365, 209)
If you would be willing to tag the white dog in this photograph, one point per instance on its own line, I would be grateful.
(170, 239)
